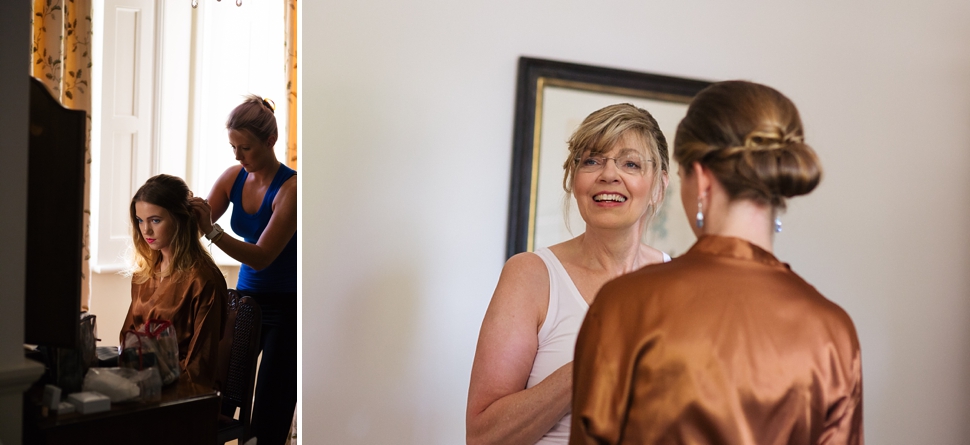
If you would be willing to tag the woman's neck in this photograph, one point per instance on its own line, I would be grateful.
(743, 219)
(266, 175)
(616, 251)
(164, 262)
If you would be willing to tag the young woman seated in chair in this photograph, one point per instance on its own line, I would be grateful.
(174, 278)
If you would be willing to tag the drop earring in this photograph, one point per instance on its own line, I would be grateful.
(777, 225)
(700, 214)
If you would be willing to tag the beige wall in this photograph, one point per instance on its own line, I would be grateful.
(408, 113)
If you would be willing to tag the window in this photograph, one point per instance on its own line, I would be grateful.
(168, 75)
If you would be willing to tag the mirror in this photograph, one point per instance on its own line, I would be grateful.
(552, 99)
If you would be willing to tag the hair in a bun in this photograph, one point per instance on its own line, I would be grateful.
(750, 136)
(256, 115)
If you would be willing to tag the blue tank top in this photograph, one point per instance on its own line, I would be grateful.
(280, 275)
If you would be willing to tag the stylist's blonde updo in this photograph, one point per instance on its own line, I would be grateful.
(751, 138)
(255, 115)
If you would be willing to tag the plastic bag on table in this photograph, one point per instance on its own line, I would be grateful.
(125, 384)
(152, 344)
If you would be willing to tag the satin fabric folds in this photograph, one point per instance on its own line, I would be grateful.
(723, 345)
(197, 305)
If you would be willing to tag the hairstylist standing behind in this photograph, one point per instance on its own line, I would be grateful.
(263, 193)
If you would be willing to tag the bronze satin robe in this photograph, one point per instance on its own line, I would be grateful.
(197, 306)
(724, 345)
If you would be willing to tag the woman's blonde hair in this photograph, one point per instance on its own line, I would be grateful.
(255, 115)
(750, 137)
(170, 193)
(601, 130)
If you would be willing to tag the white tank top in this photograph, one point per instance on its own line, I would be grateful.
(557, 336)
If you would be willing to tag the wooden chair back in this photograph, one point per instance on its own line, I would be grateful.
(240, 348)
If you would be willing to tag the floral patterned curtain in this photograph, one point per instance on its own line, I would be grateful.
(61, 59)
(291, 109)
(291, 88)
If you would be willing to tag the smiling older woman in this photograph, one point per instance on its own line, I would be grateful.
(521, 380)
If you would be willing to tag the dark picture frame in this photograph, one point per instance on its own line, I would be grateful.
(534, 75)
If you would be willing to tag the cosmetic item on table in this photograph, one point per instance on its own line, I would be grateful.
(89, 402)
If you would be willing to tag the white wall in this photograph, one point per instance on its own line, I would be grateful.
(407, 129)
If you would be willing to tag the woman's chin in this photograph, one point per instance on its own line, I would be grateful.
(612, 224)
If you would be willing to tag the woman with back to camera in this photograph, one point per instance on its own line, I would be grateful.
(174, 278)
(724, 344)
(521, 380)
(263, 195)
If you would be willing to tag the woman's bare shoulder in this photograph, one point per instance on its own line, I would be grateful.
(230, 173)
(225, 181)
(521, 297)
(288, 189)
(524, 267)
(524, 278)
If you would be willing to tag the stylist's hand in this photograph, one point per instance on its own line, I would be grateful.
(203, 214)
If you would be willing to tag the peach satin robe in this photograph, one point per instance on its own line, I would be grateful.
(724, 345)
(197, 306)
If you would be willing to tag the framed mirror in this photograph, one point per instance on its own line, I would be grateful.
(552, 99)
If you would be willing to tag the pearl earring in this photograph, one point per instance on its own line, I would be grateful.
(777, 225)
(700, 214)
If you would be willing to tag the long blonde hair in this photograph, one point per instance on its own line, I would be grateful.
(170, 193)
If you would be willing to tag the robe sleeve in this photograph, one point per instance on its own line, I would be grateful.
(603, 370)
(201, 363)
(129, 323)
(125, 327)
(843, 423)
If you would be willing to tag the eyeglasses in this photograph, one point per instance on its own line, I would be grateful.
(629, 163)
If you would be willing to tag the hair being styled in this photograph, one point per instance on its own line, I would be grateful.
(170, 193)
(255, 115)
(751, 138)
(602, 129)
